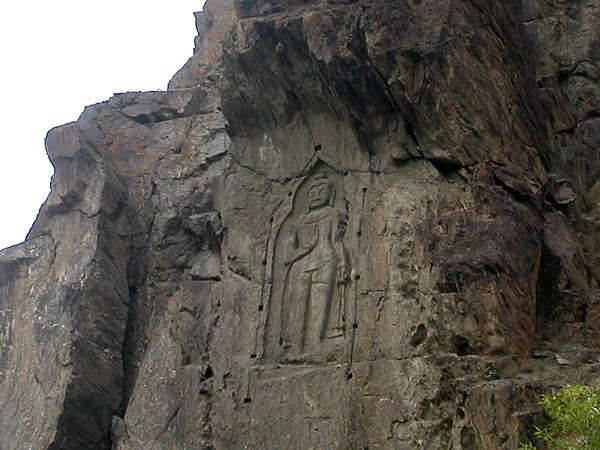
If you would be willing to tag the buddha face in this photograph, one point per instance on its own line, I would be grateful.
(319, 196)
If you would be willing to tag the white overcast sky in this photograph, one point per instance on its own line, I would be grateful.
(59, 56)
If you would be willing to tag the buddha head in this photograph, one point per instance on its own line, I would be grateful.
(320, 192)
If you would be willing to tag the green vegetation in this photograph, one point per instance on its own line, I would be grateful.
(574, 413)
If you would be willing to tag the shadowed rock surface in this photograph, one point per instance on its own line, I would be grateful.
(345, 225)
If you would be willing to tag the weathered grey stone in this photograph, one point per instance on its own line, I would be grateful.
(65, 309)
(346, 225)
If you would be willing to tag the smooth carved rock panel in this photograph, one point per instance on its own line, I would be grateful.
(291, 407)
(310, 286)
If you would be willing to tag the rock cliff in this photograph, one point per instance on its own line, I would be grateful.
(347, 224)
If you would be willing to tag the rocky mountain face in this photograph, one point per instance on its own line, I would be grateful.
(347, 224)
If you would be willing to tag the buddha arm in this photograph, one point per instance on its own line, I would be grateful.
(293, 251)
(338, 231)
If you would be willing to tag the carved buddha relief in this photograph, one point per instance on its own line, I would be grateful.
(311, 270)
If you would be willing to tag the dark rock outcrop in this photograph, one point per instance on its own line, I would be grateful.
(347, 224)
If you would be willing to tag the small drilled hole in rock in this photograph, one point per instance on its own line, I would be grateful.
(359, 233)
(318, 147)
(253, 355)
(364, 189)
(345, 173)
(355, 326)
(261, 307)
(247, 400)
(264, 263)
(208, 374)
(349, 376)
(357, 276)
(419, 336)
(460, 414)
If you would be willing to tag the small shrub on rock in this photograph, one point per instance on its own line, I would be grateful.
(574, 418)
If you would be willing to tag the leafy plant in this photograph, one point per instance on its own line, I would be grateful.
(526, 447)
(574, 413)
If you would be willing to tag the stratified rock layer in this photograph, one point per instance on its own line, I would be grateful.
(346, 225)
